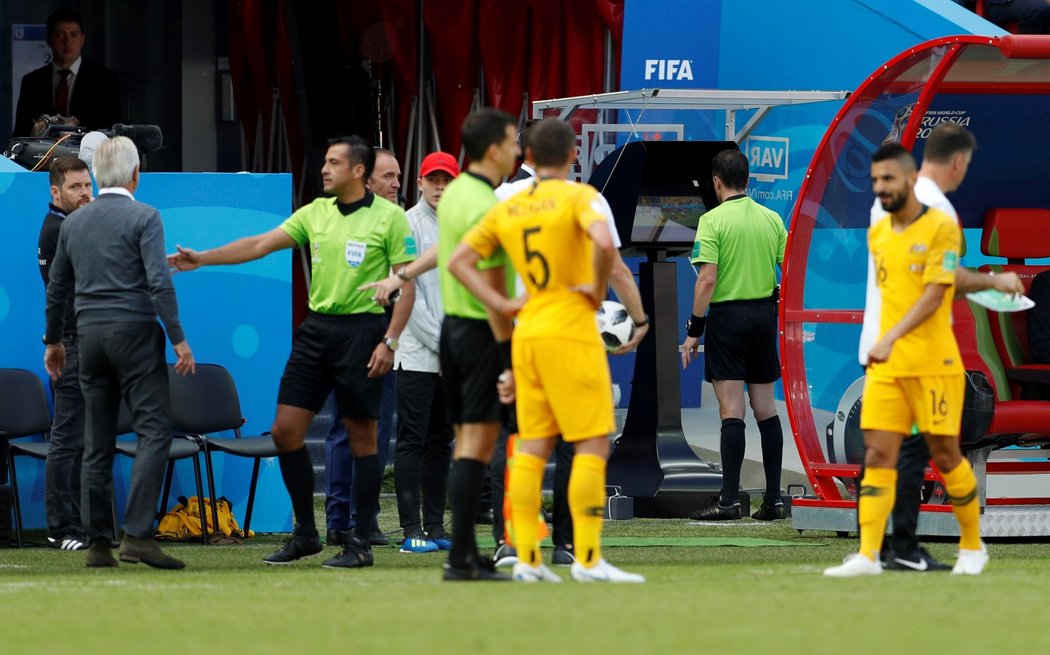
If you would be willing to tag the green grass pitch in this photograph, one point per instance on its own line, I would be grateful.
(716, 599)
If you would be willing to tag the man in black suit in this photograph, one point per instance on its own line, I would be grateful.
(68, 85)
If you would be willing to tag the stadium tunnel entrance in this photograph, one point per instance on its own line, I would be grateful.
(998, 88)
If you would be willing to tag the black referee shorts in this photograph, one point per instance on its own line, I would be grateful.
(741, 342)
(470, 366)
(332, 352)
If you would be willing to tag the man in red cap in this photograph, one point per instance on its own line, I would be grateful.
(424, 435)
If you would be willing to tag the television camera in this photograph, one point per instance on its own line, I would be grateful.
(59, 139)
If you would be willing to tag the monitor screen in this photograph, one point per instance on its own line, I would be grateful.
(666, 219)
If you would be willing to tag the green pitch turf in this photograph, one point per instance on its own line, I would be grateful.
(699, 599)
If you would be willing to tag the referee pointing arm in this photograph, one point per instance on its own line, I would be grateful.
(344, 343)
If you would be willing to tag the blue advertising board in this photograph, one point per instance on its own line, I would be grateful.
(239, 317)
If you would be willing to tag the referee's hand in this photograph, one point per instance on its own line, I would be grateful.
(689, 347)
(381, 361)
(384, 289)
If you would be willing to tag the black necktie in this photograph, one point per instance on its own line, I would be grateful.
(62, 92)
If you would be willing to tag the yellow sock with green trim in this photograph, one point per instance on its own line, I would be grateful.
(526, 481)
(961, 485)
(587, 506)
(878, 490)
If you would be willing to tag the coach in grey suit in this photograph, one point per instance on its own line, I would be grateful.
(111, 258)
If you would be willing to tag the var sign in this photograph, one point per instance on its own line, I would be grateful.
(767, 157)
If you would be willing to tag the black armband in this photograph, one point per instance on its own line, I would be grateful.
(504, 354)
(644, 321)
(694, 327)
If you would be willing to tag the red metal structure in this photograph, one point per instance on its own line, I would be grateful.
(999, 87)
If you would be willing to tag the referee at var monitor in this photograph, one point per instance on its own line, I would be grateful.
(344, 343)
(738, 247)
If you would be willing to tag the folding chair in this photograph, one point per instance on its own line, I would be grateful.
(182, 447)
(205, 403)
(23, 412)
(39, 450)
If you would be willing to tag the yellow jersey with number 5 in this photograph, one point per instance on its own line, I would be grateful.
(543, 230)
(925, 252)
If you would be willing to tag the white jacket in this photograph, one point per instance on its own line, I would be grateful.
(418, 345)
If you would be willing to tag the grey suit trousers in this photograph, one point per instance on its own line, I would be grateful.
(123, 361)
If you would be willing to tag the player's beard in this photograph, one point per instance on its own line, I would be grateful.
(893, 202)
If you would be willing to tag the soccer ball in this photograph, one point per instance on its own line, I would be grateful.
(614, 324)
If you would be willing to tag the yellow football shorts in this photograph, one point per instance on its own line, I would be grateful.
(562, 387)
(932, 403)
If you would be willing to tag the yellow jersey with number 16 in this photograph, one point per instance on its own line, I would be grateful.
(543, 230)
(925, 252)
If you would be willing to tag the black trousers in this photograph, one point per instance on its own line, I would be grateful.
(423, 452)
(65, 448)
(123, 361)
(911, 466)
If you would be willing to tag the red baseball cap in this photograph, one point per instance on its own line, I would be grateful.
(439, 161)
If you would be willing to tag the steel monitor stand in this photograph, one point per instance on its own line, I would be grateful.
(652, 461)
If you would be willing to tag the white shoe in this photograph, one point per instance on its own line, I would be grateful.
(971, 562)
(527, 573)
(854, 565)
(602, 572)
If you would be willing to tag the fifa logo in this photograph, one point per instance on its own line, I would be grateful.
(668, 69)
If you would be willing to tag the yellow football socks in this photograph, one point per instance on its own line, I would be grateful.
(878, 490)
(587, 505)
(961, 486)
(526, 481)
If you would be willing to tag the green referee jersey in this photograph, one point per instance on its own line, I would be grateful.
(465, 201)
(746, 241)
(349, 250)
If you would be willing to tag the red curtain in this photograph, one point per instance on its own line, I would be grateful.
(546, 51)
(503, 30)
(551, 49)
(401, 27)
(451, 25)
(289, 95)
(611, 13)
(583, 34)
(259, 28)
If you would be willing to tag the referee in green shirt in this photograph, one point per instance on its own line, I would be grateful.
(738, 247)
(475, 345)
(344, 344)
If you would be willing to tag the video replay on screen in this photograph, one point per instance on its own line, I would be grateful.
(666, 219)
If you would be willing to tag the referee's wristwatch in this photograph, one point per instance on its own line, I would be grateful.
(50, 343)
(391, 343)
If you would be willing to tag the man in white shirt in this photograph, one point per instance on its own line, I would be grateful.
(946, 159)
(424, 435)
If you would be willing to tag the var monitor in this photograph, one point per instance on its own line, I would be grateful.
(658, 190)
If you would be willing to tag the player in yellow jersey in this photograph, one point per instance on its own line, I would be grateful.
(560, 244)
(915, 373)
